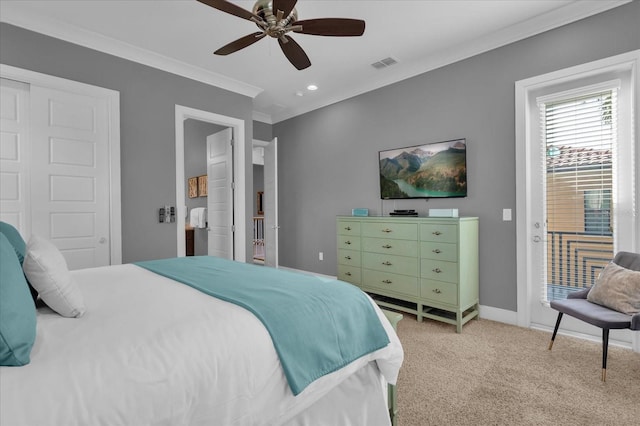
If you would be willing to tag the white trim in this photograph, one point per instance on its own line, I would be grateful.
(73, 34)
(112, 98)
(183, 113)
(524, 91)
(262, 117)
(564, 15)
(500, 315)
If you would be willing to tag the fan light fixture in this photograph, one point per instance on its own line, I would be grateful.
(276, 18)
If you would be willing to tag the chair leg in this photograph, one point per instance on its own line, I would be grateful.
(605, 347)
(555, 330)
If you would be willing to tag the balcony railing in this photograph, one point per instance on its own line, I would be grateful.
(574, 261)
(258, 239)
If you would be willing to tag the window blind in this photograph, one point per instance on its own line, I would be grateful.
(578, 143)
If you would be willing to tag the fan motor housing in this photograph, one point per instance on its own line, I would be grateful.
(264, 9)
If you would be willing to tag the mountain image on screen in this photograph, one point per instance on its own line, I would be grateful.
(432, 170)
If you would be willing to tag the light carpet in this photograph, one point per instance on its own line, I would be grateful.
(497, 374)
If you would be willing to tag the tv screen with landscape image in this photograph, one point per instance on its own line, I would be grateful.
(433, 170)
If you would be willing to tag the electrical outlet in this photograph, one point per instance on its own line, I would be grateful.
(320, 256)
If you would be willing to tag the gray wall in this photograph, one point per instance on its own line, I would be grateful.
(262, 131)
(328, 157)
(195, 164)
(147, 132)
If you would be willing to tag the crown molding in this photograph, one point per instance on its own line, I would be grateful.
(262, 117)
(64, 31)
(567, 14)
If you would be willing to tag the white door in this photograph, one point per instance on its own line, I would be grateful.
(14, 150)
(270, 200)
(70, 174)
(578, 205)
(55, 170)
(220, 194)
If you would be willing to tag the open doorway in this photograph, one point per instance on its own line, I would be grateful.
(195, 167)
(238, 204)
(265, 209)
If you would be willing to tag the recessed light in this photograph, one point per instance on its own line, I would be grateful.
(299, 93)
(312, 87)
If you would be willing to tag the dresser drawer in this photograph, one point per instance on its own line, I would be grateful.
(439, 291)
(349, 242)
(396, 231)
(439, 251)
(389, 246)
(439, 270)
(397, 283)
(350, 274)
(349, 257)
(391, 263)
(439, 232)
(346, 227)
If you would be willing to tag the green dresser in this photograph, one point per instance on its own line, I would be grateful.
(422, 265)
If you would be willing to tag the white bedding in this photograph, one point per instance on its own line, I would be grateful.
(150, 351)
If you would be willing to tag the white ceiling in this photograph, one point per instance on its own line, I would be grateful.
(180, 36)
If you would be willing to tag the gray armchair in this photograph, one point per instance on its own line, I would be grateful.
(577, 305)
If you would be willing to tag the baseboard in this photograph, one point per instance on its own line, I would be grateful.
(499, 315)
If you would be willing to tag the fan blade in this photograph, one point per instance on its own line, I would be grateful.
(294, 53)
(334, 27)
(240, 43)
(231, 8)
(286, 6)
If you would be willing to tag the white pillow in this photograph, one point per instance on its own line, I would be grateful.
(46, 270)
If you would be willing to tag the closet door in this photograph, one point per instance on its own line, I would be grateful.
(70, 174)
(14, 155)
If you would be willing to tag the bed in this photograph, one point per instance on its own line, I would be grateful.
(152, 350)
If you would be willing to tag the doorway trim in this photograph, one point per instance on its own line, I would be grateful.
(112, 98)
(239, 212)
(524, 91)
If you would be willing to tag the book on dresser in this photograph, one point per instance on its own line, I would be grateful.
(427, 266)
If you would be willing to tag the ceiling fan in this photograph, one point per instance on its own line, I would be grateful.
(276, 18)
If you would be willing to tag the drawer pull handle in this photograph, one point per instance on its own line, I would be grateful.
(348, 228)
(437, 233)
(436, 290)
(387, 281)
(437, 270)
(348, 274)
(436, 251)
(387, 246)
(348, 242)
(387, 263)
(386, 230)
(348, 257)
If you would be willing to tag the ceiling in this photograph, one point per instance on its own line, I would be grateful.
(180, 36)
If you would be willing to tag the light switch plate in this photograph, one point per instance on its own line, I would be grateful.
(506, 215)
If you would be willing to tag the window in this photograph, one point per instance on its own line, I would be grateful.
(578, 137)
(597, 212)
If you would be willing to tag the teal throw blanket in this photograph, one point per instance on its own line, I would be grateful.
(317, 325)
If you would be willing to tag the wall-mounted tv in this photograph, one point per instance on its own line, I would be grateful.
(432, 170)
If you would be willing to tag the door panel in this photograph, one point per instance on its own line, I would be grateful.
(70, 190)
(220, 194)
(14, 152)
(271, 227)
